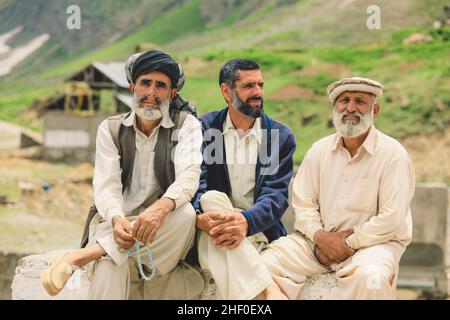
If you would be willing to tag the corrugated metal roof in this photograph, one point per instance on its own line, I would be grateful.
(125, 98)
(114, 71)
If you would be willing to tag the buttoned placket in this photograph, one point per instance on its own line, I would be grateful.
(343, 194)
(145, 145)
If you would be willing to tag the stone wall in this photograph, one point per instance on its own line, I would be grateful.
(27, 285)
(425, 260)
(70, 138)
(8, 264)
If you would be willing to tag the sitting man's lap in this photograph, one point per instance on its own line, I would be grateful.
(171, 244)
(369, 273)
(234, 270)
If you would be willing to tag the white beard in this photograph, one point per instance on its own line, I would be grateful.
(352, 130)
(148, 113)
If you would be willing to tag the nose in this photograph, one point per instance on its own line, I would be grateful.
(351, 106)
(150, 91)
(259, 91)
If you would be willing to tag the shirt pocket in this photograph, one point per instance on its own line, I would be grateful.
(363, 197)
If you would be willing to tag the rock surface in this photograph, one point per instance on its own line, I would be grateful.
(26, 284)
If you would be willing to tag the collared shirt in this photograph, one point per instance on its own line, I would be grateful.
(107, 173)
(369, 193)
(241, 156)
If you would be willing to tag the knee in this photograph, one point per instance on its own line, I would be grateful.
(210, 198)
(186, 215)
(372, 277)
(269, 259)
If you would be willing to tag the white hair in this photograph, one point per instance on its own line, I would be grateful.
(352, 130)
(148, 113)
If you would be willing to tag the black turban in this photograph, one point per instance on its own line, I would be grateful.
(154, 60)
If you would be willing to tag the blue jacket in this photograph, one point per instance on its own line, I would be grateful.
(271, 190)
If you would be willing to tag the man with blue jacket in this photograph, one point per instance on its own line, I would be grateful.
(243, 186)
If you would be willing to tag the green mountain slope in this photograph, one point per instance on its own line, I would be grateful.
(302, 47)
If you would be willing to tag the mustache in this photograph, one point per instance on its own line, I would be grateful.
(139, 100)
(354, 114)
(255, 98)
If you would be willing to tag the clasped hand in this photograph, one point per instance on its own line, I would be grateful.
(330, 247)
(227, 229)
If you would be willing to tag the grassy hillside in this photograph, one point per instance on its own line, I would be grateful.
(182, 20)
(416, 80)
(302, 46)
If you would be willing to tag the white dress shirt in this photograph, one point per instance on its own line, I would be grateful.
(241, 156)
(107, 173)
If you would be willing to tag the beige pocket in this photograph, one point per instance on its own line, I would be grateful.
(363, 196)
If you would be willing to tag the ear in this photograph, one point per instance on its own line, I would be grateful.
(173, 93)
(376, 110)
(226, 92)
(131, 87)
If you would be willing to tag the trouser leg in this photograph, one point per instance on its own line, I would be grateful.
(239, 273)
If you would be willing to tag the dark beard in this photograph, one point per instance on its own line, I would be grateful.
(246, 108)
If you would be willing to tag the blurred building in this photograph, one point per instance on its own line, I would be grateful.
(72, 118)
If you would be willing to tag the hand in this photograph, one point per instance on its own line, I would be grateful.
(150, 220)
(122, 232)
(333, 245)
(208, 220)
(230, 232)
(322, 257)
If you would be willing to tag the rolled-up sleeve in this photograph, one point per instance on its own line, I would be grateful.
(107, 175)
(187, 158)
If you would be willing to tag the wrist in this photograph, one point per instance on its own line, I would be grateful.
(317, 236)
(348, 242)
(169, 204)
(115, 219)
(200, 223)
(245, 225)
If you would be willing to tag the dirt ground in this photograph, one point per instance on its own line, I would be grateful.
(430, 155)
(33, 219)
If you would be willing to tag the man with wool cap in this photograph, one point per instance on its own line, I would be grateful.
(351, 198)
(147, 169)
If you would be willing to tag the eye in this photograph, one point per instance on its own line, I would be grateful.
(161, 85)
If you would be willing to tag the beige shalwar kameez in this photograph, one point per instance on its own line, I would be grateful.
(369, 194)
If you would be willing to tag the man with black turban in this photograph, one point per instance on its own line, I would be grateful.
(147, 169)
(178, 101)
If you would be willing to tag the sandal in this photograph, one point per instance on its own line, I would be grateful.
(55, 277)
